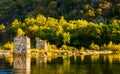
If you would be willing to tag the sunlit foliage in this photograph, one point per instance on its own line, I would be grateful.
(77, 33)
(8, 46)
(94, 47)
(20, 32)
(111, 46)
(2, 27)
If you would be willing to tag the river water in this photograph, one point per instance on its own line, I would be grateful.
(83, 64)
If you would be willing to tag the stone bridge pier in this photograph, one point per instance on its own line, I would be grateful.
(21, 55)
(22, 46)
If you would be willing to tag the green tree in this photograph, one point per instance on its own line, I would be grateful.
(66, 38)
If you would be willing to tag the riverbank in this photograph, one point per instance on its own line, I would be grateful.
(7, 53)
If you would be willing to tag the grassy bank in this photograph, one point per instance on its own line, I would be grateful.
(53, 48)
(65, 50)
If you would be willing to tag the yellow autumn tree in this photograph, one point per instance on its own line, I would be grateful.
(2, 27)
(20, 32)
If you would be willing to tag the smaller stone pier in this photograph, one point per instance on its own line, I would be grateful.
(21, 45)
(41, 44)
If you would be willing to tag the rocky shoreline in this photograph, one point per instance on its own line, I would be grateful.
(90, 52)
(7, 53)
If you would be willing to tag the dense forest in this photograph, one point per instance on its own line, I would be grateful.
(90, 10)
(75, 23)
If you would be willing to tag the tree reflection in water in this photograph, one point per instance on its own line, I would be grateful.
(83, 64)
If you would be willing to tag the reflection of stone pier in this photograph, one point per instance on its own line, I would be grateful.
(21, 65)
(41, 60)
(21, 72)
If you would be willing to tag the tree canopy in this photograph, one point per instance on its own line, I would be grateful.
(74, 32)
(90, 10)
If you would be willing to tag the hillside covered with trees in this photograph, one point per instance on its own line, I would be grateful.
(77, 23)
(89, 10)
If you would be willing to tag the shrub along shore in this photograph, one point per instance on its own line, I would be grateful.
(55, 53)
(65, 50)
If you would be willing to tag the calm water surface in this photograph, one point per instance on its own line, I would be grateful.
(94, 64)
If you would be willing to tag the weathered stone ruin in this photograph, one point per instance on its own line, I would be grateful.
(21, 45)
(41, 44)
